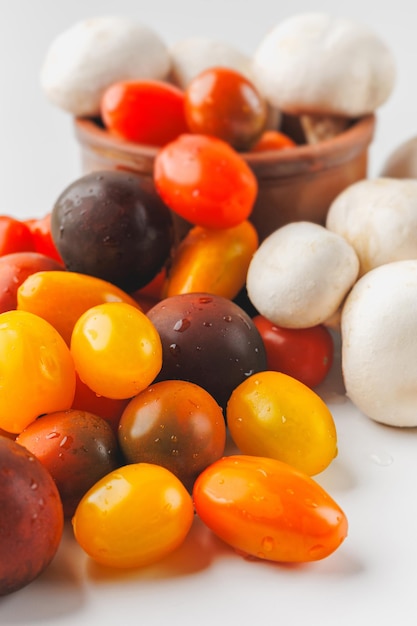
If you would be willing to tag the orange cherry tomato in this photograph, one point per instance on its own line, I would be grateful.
(134, 516)
(60, 297)
(269, 510)
(205, 181)
(213, 261)
(274, 415)
(144, 111)
(116, 349)
(37, 370)
(304, 353)
(222, 102)
(176, 424)
(42, 237)
(273, 140)
(15, 236)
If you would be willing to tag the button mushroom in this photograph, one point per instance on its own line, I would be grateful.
(379, 344)
(328, 70)
(300, 274)
(402, 162)
(88, 57)
(379, 219)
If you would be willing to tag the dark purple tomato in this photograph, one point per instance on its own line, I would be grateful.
(78, 448)
(31, 517)
(208, 340)
(176, 424)
(113, 225)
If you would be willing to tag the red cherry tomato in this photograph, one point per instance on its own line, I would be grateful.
(15, 236)
(42, 238)
(303, 353)
(273, 140)
(268, 509)
(205, 181)
(222, 102)
(147, 112)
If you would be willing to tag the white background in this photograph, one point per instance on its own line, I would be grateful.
(371, 580)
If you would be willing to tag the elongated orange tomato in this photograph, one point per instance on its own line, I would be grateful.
(63, 297)
(268, 509)
(213, 261)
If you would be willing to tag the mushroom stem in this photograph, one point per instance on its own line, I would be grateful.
(319, 128)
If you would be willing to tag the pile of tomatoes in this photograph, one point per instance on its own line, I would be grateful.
(127, 356)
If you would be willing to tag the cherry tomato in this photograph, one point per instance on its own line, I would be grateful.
(116, 349)
(304, 353)
(212, 260)
(42, 237)
(274, 415)
(15, 236)
(175, 424)
(37, 370)
(31, 518)
(134, 516)
(15, 268)
(109, 409)
(76, 447)
(60, 297)
(222, 102)
(144, 111)
(205, 181)
(273, 140)
(269, 510)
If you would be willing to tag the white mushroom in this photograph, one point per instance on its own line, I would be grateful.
(402, 162)
(379, 344)
(300, 275)
(88, 57)
(190, 57)
(317, 65)
(379, 219)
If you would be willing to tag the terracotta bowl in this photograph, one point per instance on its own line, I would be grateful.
(294, 184)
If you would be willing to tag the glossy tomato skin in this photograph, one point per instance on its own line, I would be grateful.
(31, 517)
(222, 102)
(15, 268)
(38, 374)
(42, 237)
(205, 181)
(122, 229)
(15, 236)
(267, 509)
(274, 415)
(207, 340)
(134, 516)
(144, 111)
(176, 424)
(77, 448)
(304, 353)
(116, 349)
(273, 140)
(109, 409)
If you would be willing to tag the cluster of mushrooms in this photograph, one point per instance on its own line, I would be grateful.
(358, 272)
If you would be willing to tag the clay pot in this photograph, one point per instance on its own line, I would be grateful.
(294, 184)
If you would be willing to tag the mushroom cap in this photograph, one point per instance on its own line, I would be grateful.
(402, 162)
(379, 219)
(300, 274)
(379, 344)
(94, 53)
(318, 64)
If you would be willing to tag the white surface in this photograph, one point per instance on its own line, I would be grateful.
(370, 580)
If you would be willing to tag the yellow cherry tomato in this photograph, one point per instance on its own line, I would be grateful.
(134, 516)
(116, 349)
(274, 415)
(37, 373)
(60, 297)
(212, 261)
